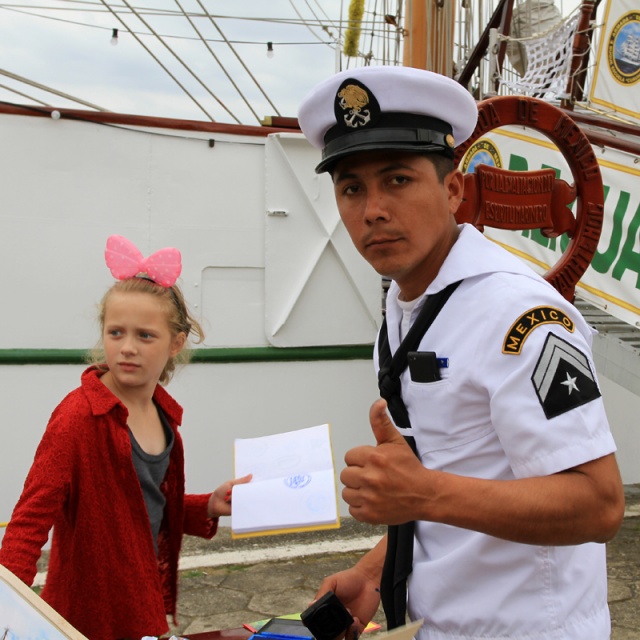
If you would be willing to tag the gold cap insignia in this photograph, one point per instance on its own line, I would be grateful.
(355, 106)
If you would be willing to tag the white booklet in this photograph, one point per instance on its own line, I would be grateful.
(293, 486)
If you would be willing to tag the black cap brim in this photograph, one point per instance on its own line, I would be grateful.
(391, 139)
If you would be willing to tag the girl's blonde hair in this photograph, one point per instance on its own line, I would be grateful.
(179, 318)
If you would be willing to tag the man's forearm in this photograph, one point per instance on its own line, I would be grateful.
(372, 562)
(585, 504)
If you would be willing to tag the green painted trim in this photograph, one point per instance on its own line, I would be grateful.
(43, 356)
(247, 354)
(275, 354)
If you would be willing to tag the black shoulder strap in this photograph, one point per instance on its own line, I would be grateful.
(391, 368)
(398, 561)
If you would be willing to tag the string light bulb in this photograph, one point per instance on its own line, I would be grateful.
(114, 37)
(269, 49)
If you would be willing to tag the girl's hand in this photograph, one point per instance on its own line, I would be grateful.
(220, 500)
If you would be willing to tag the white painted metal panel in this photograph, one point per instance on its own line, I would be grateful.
(68, 185)
(319, 290)
(233, 306)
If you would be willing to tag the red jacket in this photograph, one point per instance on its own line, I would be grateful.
(103, 574)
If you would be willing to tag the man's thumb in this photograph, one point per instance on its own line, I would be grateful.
(381, 425)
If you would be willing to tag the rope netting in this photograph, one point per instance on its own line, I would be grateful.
(548, 61)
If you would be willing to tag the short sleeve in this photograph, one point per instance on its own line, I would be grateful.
(545, 400)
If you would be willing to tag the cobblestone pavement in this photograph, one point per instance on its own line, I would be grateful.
(227, 596)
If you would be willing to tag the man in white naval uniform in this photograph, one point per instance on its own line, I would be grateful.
(514, 486)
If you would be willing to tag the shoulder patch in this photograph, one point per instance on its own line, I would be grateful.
(528, 321)
(563, 378)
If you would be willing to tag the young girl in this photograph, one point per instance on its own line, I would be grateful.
(108, 474)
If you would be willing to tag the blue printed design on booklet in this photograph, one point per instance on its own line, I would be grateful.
(298, 481)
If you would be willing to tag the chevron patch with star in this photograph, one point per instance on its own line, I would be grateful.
(563, 378)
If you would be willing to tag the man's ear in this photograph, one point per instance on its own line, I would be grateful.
(454, 183)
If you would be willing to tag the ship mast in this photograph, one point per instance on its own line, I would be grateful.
(429, 35)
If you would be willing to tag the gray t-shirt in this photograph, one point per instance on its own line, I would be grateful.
(151, 470)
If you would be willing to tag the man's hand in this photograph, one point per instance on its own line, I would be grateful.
(358, 593)
(380, 483)
(387, 484)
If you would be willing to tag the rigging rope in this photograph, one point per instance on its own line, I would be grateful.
(313, 13)
(331, 22)
(213, 22)
(24, 95)
(380, 34)
(303, 21)
(184, 64)
(32, 83)
(368, 56)
(144, 46)
(206, 44)
(27, 12)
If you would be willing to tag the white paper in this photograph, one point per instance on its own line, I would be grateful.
(406, 632)
(293, 484)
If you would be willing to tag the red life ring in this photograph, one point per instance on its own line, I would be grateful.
(537, 199)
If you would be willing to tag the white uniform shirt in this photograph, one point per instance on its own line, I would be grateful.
(486, 418)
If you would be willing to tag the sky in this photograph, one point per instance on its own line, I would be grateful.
(66, 45)
(79, 59)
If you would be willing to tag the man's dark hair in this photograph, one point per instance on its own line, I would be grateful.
(442, 164)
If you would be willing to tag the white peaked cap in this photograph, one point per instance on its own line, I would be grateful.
(385, 107)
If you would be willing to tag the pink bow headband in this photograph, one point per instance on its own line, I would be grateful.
(125, 261)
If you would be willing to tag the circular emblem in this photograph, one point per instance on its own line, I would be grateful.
(450, 141)
(481, 152)
(623, 49)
